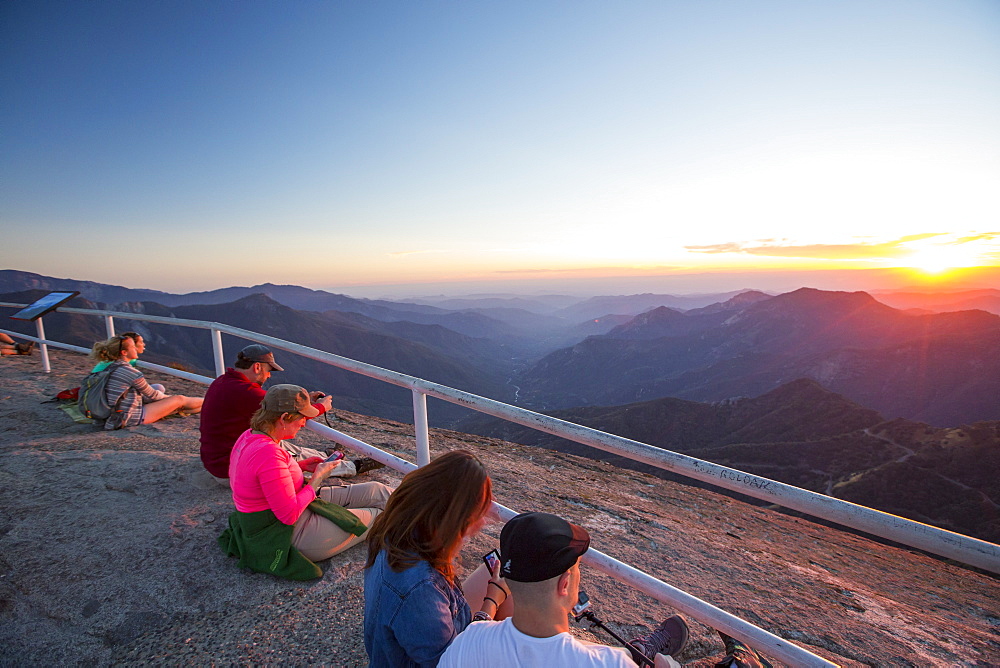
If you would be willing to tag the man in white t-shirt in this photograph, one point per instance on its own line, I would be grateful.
(540, 561)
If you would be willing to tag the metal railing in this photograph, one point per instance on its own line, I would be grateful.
(925, 537)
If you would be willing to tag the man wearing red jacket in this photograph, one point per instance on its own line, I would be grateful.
(233, 398)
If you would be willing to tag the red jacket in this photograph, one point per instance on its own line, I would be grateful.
(230, 402)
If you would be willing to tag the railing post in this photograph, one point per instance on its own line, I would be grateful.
(420, 428)
(220, 360)
(44, 349)
(109, 324)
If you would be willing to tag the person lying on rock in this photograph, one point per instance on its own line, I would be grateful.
(540, 562)
(283, 524)
(131, 398)
(232, 399)
(9, 346)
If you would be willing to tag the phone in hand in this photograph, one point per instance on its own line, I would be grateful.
(492, 561)
(335, 457)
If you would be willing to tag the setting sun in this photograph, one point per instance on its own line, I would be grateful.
(935, 258)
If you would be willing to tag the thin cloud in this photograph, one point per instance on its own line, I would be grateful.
(985, 236)
(854, 251)
(729, 247)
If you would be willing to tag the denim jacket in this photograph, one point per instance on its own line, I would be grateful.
(412, 616)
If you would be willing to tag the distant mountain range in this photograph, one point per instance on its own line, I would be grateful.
(429, 352)
(964, 300)
(807, 436)
(795, 387)
(939, 368)
(558, 351)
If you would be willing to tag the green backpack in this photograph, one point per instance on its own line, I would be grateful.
(93, 398)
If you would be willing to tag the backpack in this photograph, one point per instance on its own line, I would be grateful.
(72, 394)
(93, 397)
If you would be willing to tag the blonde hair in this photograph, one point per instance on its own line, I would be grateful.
(110, 350)
(264, 420)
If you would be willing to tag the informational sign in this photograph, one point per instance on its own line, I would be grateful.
(51, 301)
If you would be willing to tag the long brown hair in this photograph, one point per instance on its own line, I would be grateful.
(429, 513)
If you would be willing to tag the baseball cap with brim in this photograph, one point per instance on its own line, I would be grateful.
(539, 546)
(289, 399)
(259, 353)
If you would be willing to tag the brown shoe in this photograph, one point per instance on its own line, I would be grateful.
(24, 348)
(366, 464)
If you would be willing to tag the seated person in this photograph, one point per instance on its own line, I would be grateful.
(140, 348)
(232, 399)
(275, 508)
(10, 347)
(132, 400)
(414, 602)
(540, 561)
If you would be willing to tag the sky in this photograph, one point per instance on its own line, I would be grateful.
(367, 146)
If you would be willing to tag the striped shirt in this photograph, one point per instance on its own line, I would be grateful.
(126, 391)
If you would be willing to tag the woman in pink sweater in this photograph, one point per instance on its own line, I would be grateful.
(265, 477)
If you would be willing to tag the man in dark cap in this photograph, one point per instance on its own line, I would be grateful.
(233, 398)
(540, 561)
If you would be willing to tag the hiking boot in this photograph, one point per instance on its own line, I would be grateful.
(24, 348)
(739, 655)
(670, 639)
(366, 464)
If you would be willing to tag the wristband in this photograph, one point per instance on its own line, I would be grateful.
(505, 592)
(495, 604)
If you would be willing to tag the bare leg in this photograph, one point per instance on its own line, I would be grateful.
(6, 339)
(475, 591)
(191, 404)
(157, 410)
(16, 348)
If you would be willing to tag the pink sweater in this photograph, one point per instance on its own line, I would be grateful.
(265, 477)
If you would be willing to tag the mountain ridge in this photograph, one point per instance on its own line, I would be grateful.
(850, 342)
(805, 435)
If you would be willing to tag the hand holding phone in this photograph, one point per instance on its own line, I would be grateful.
(492, 561)
(335, 457)
(309, 465)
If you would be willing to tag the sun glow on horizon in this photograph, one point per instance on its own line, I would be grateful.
(935, 257)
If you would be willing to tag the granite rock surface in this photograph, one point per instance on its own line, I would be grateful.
(108, 553)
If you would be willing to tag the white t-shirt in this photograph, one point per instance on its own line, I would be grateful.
(501, 645)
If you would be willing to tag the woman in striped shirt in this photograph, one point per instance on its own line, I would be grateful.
(132, 400)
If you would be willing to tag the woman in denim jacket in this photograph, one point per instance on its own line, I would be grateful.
(414, 603)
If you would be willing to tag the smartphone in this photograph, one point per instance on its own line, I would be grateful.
(582, 604)
(492, 561)
(335, 457)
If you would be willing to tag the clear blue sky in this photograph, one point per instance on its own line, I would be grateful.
(194, 145)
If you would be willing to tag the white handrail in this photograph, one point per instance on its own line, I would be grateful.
(968, 550)
(740, 629)
(965, 549)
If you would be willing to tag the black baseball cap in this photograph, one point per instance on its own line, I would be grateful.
(539, 546)
(258, 353)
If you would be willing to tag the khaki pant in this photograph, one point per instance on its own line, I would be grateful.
(318, 538)
(344, 469)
